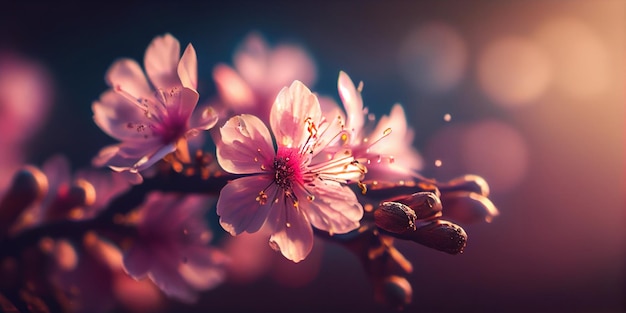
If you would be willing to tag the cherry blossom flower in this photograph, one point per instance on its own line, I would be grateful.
(26, 94)
(386, 149)
(90, 275)
(258, 75)
(171, 247)
(79, 196)
(151, 119)
(293, 187)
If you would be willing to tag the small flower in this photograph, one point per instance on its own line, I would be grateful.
(150, 122)
(171, 246)
(293, 187)
(258, 75)
(385, 149)
(90, 276)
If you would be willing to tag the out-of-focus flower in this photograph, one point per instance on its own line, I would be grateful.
(171, 246)
(91, 279)
(25, 99)
(293, 187)
(386, 149)
(79, 196)
(251, 260)
(26, 96)
(258, 75)
(151, 119)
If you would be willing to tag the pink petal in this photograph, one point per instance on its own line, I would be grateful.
(119, 118)
(184, 106)
(149, 160)
(294, 106)
(238, 208)
(251, 60)
(204, 267)
(188, 68)
(137, 262)
(352, 102)
(286, 64)
(293, 235)
(232, 88)
(170, 281)
(157, 208)
(204, 119)
(105, 154)
(246, 145)
(335, 208)
(127, 74)
(161, 61)
(399, 142)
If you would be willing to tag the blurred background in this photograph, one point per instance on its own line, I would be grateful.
(528, 94)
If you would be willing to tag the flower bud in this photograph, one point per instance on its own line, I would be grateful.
(468, 207)
(440, 235)
(394, 291)
(28, 186)
(395, 217)
(425, 204)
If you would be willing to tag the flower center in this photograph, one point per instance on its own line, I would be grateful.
(287, 168)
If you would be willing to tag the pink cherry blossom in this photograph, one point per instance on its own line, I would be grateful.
(26, 95)
(79, 196)
(258, 75)
(171, 247)
(151, 118)
(91, 276)
(386, 149)
(290, 188)
(25, 98)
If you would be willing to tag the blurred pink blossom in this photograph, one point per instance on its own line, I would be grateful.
(26, 95)
(293, 187)
(91, 277)
(25, 98)
(258, 75)
(79, 196)
(386, 148)
(171, 247)
(251, 260)
(151, 119)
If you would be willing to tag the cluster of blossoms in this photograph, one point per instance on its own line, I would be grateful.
(289, 165)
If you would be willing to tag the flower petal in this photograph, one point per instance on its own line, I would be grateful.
(287, 63)
(127, 75)
(137, 262)
(334, 209)
(184, 105)
(161, 61)
(119, 118)
(232, 88)
(246, 145)
(238, 208)
(204, 119)
(251, 60)
(293, 235)
(294, 106)
(188, 68)
(170, 281)
(352, 102)
(204, 267)
(149, 160)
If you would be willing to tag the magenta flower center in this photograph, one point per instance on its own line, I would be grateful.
(287, 168)
(170, 128)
